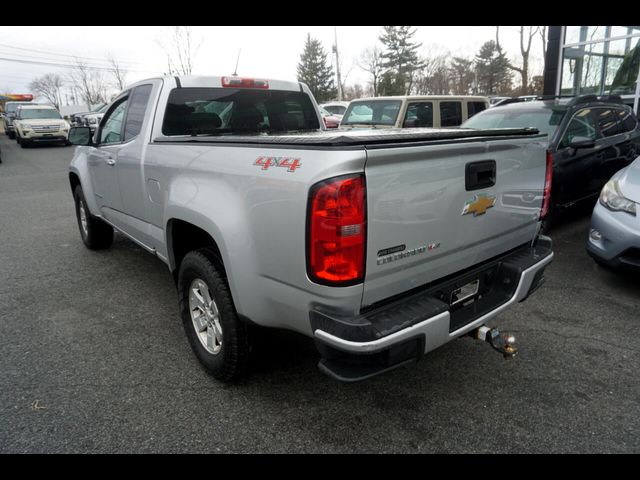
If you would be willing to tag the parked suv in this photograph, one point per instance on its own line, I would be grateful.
(590, 139)
(40, 124)
(412, 112)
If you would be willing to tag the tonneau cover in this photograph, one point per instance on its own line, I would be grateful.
(349, 138)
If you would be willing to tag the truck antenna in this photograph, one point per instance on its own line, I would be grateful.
(235, 73)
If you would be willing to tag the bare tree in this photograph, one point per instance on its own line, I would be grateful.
(89, 82)
(353, 92)
(526, 36)
(371, 61)
(181, 48)
(434, 76)
(543, 35)
(119, 74)
(49, 86)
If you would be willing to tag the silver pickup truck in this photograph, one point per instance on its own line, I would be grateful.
(380, 245)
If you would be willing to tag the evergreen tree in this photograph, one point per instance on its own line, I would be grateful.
(316, 72)
(400, 60)
(492, 67)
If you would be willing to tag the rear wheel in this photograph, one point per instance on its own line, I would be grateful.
(95, 233)
(217, 336)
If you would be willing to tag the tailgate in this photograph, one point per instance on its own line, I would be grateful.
(439, 208)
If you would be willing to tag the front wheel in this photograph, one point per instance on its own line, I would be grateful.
(216, 334)
(95, 233)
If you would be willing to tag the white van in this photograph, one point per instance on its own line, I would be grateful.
(413, 111)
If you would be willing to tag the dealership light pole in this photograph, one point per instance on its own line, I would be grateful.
(335, 49)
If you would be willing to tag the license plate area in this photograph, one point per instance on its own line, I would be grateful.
(466, 292)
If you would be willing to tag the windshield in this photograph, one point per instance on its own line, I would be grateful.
(546, 120)
(230, 111)
(336, 109)
(101, 109)
(374, 112)
(33, 113)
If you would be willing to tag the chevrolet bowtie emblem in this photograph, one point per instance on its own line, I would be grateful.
(479, 205)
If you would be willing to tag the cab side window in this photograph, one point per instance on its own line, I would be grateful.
(112, 126)
(419, 115)
(138, 107)
(627, 120)
(608, 121)
(581, 125)
(450, 114)
(475, 107)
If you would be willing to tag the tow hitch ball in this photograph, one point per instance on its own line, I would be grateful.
(504, 343)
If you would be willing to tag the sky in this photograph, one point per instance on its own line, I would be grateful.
(265, 51)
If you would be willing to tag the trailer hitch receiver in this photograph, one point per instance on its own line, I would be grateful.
(502, 342)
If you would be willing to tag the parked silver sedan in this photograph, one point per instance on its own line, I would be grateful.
(614, 236)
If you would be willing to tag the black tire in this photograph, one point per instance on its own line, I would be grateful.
(98, 234)
(11, 135)
(231, 361)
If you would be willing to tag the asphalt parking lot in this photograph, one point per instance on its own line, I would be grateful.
(93, 357)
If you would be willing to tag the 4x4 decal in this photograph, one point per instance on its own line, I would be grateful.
(291, 164)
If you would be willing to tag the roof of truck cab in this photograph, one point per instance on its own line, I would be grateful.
(204, 81)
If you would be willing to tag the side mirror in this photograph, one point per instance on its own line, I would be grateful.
(582, 142)
(80, 136)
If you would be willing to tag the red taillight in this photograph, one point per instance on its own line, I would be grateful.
(238, 82)
(547, 186)
(337, 231)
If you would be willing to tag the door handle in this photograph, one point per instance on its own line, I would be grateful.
(479, 175)
(110, 161)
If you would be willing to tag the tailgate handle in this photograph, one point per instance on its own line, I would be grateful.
(479, 175)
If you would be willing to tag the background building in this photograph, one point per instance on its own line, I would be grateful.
(596, 60)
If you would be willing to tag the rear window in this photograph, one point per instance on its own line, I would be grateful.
(12, 107)
(545, 120)
(375, 112)
(336, 109)
(229, 111)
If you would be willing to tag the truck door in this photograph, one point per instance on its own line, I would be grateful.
(130, 167)
(103, 158)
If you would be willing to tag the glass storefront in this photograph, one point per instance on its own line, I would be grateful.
(601, 60)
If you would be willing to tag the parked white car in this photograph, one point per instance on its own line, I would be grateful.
(336, 109)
